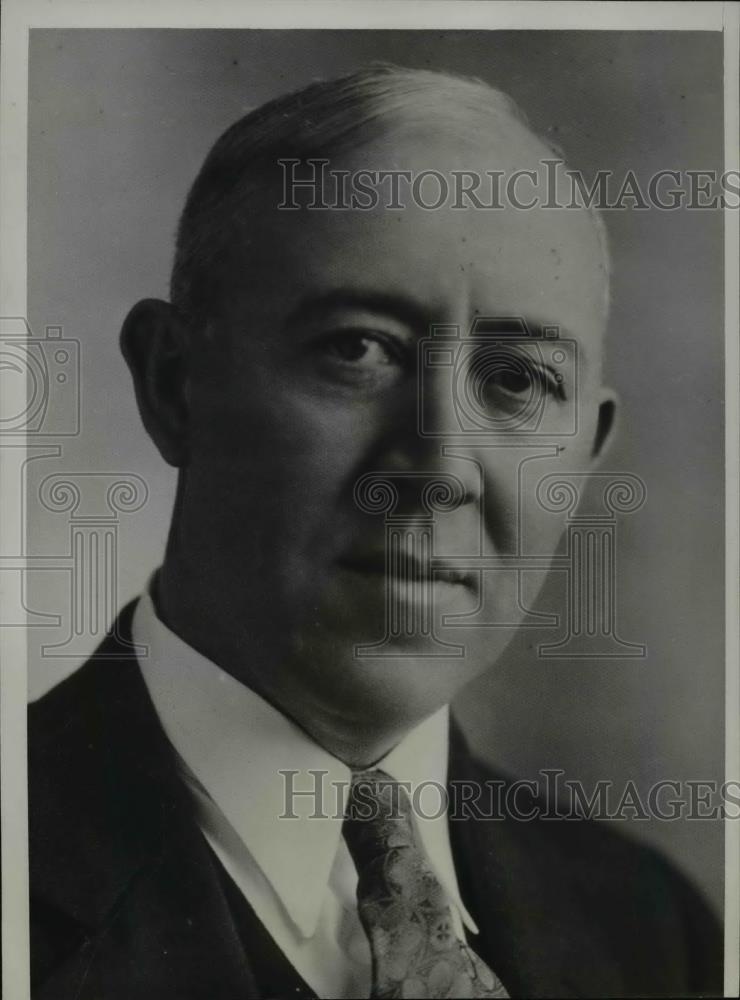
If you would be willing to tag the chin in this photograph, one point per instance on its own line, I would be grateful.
(399, 685)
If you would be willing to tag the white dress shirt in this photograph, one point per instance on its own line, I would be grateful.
(297, 874)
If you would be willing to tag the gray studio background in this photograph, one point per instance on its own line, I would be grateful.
(119, 123)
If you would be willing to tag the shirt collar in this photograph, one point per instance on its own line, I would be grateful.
(260, 755)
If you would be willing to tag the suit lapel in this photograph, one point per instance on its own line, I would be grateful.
(171, 933)
(533, 928)
(117, 861)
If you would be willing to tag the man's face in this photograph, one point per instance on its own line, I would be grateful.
(308, 381)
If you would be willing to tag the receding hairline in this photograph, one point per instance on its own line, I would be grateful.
(325, 119)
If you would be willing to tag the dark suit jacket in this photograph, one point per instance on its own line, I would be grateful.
(129, 903)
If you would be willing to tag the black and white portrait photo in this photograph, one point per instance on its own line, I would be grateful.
(368, 481)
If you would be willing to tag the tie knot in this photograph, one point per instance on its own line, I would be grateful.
(376, 798)
(378, 816)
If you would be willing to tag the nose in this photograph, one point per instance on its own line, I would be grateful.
(413, 443)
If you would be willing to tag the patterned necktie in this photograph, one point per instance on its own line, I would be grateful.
(402, 906)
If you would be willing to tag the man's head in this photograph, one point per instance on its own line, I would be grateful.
(285, 371)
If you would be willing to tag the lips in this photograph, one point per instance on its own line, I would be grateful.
(438, 569)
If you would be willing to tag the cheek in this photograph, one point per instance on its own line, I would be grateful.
(517, 519)
(280, 461)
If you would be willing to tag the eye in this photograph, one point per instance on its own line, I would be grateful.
(516, 376)
(359, 348)
(361, 357)
(515, 382)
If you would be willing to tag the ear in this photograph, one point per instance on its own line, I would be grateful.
(154, 343)
(605, 424)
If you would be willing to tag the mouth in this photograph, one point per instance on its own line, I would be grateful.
(406, 567)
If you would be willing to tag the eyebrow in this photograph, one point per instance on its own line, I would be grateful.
(401, 307)
(416, 316)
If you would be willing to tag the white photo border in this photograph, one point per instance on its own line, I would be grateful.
(19, 16)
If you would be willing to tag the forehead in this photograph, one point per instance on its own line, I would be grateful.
(450, 264)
